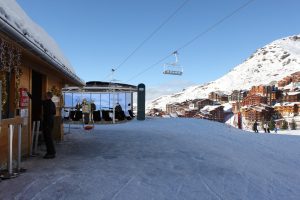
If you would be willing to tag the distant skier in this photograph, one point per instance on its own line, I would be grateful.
(266, 127)
(276, 128)
(255, 127)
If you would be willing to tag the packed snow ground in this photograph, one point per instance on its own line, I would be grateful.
(172, 158)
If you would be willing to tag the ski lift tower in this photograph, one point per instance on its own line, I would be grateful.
(112, 85)
(173, 68)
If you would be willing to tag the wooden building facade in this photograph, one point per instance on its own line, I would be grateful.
(254, 100)
(215, 113)
(287, 109)
(292, 97)
(26, 66)
(218, 96)
(257, 112)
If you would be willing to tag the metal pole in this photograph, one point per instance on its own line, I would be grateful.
(0, 100)
(19, 147)
(32, 138)
(10, 142)
(37, 137)
(114, 110)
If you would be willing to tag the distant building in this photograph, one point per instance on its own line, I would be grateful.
(215, 113)
(271, 92)
(172, 108)
(190, 113)
(292, 97)
(200, 103)
(254, 99)
(287, 108)
(295, 77)
(155, 112)
(259, 112)
(218, 96)
(237, 95)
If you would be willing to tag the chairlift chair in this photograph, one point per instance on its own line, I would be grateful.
(173, 68)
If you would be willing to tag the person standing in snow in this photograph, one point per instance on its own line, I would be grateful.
(255, 127)
(265, 127)
(268, 128)
(130, 111)
(276, 128)
(49, 111)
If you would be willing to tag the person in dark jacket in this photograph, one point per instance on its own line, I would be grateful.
(49, 111)
(255, 127)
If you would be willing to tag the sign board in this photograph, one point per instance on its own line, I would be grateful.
(24, 99)
(24, 116)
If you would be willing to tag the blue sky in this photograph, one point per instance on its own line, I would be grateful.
(97, 35)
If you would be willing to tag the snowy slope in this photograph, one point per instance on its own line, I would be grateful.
(13, 14)
(163, 159)
(270, 63)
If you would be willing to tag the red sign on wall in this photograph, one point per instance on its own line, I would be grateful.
(24, 99)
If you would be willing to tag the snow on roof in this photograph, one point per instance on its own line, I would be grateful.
(288, 87)
(286, 104)
(293, 93)
(209, 108)
(227, 107)
(13, 14)
(259, 108)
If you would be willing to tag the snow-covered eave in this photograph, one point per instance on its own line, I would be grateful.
(16, 35)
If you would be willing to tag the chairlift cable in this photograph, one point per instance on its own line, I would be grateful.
(151, 35)
(210, 28)
(215, 24)
(148, 68)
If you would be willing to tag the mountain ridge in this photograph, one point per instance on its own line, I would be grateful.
(270, 63)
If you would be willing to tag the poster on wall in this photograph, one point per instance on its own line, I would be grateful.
(24, 99)
(24, 115)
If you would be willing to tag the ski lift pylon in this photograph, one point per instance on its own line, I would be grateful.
(173, 68)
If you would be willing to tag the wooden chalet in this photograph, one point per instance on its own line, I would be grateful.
(190, 113)
(292, 96)
(254, 99)
(218, 96)
(295, 77)
(237, 95)
(287, 108)
(259, 112)
(155, 112)
(173, 107)
(200, 103)
(215, 113)
(262, 90)
(272, 93)
(26, 64)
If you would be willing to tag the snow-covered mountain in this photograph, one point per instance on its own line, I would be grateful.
(268, 64)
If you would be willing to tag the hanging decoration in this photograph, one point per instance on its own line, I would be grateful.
(56, 91)
(10, 62)
(57, 96)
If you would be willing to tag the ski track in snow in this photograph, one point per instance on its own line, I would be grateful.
(215, 194)
(123, 187)
(53, 183)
